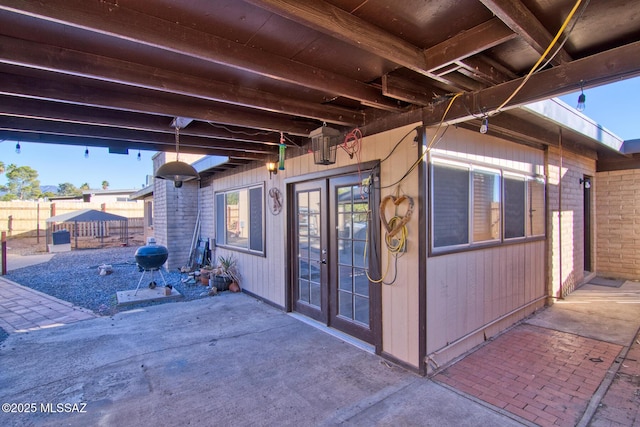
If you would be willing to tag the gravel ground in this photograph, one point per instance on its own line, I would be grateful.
(74, 277)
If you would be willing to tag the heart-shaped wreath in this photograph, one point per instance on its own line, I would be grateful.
(403, 220)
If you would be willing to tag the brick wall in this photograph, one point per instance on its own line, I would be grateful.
(618, 224)
(565, 227)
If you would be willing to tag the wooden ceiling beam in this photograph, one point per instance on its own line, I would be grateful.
(76, 91)
(602, 68)
(59, 60)
(467, 43)
(483, 71)
(329, 19)
(132, 136)
(128, 25)
(75, 114)
(49, 138)
(523, 22)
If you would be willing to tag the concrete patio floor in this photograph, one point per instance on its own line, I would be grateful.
(231, 360)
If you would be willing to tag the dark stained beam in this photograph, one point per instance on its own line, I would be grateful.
(326, 18)
(407, 91)
(43, 138)
(58, 60)
(522, 21)
(484, 36)
(332, 20)
(602, 68)
(75, 114)
(484, 71)
(611, 164)
(77, 91)
(132, 136)
(126, 24)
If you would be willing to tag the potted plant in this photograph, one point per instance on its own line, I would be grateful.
(206, 271)
(227, 275)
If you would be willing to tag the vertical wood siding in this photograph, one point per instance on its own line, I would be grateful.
(468, 290)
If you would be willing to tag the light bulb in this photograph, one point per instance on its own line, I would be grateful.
(485, 125)
(581, 102)
(18, 148)
(139, 156)
(86, 153)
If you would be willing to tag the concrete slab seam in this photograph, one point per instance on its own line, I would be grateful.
(597, 397)
(345, 414)
(487, 405)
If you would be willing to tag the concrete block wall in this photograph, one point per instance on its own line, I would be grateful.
(618, 224)
(565, 226)
(175, 212)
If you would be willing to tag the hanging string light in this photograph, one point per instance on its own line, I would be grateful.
(484, 128)
(139, 156)
(86, 152)
(18, 149)
(582, 98)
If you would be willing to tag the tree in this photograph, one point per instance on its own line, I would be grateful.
(105, 185)
(1, 167)
(22, 182)
(85, 186)
(68, 189)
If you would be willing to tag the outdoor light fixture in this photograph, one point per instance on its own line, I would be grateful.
(586, 182)
(86, 152)
(18, 148)
(581, 99)
(177, 171)
(272, 167)
(485, 125)
(324, 143)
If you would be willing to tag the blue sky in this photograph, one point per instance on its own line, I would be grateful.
(57, 164)
(615, 107)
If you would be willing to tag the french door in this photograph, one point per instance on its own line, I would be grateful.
(332, 256)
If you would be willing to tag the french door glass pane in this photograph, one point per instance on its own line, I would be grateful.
(309, 247)
(351, 212)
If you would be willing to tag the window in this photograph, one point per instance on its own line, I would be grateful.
(451, 212)
(149, 214)
(514, 206)
(486, 205)
(472, 205)
(239, 217)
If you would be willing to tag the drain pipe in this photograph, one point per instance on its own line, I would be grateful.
(560, 296)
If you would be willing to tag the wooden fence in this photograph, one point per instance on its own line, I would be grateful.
(28, 219)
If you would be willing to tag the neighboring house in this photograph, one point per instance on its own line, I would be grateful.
(107, 196)
(146, 196)
(502, 223)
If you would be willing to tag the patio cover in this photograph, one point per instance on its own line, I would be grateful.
(88, 215)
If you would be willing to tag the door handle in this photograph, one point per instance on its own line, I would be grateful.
(324, 261)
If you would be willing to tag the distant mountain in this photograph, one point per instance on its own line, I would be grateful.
(51, 188)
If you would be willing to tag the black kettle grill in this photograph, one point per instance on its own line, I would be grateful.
(150, 258)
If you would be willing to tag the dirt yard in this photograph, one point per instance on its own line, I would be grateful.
(30, 245)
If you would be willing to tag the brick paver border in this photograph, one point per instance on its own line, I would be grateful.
(542, 375)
